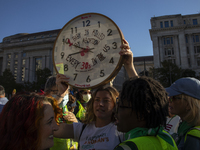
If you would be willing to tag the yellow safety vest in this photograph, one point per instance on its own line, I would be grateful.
(195, 131)
(148, 142)
(64, 144)
(81, 111)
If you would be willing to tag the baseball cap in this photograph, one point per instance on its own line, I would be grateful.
(189, 86)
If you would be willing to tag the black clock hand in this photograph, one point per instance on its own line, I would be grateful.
(71, 44)
(89, 50)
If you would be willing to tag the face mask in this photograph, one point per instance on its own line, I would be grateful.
(86, 97)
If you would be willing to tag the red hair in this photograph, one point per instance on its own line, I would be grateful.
(20, 121)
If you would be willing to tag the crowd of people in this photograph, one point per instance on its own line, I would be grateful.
(143, 116)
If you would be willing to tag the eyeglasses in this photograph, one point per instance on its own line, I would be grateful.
(120, 106)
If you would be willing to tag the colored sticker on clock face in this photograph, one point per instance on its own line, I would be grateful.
(88, 47)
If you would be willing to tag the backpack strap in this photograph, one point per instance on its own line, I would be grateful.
(83, 127)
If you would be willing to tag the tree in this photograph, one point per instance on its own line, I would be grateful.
(42, 75)
(170, 72)
(8, 81)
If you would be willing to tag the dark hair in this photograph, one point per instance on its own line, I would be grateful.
(148, 99)
(2, 90)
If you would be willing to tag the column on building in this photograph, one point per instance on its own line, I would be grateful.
(161, 49)
(183, 51)
(43, 61)
(12, 63)
(176, 50)
(191, 50)
(31, 69)
(27, 67)
(156, 52)
(19, 67)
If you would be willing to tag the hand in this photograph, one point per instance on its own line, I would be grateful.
(61, 83)
(69, 116)
(126, 53)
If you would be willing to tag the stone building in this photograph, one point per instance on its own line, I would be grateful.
(176, 38)
(24, 53)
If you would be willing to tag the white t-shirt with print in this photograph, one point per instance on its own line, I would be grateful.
(93, 138)
(172, 124)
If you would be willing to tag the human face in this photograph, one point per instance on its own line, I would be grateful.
(47, 127)
(103, 105)
(54, 91)
(178, 106)
(126, 118)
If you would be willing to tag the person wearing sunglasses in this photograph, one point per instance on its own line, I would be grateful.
(185, 102)
(141, 113)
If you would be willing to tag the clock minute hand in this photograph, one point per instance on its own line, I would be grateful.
(71, 44)
(81, 52)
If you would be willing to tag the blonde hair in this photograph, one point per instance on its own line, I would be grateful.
(193, 114)
(89, 115)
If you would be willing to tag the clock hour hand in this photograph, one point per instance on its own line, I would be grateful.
(71, 44)
(82, 52)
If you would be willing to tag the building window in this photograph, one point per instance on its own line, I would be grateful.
(188, 51)
(196, 49)
(38, 63)
(24, 55)
(195, 22)
(16, 62)
(189, 63)
(184, 22)
(16, 55)
(198, 61)
(186, 39)
(9, 56)
(171, 22)
(169, 51)
(161, 24)
(23, 61)
(166, 24)
(15, 72)
(23, 74)
(168, 40)
(197, 38)
(8, 64)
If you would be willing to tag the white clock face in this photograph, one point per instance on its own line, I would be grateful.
(87, 50)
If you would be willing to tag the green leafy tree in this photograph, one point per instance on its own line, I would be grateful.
(7, 80)
(170, 72)
(42, 75)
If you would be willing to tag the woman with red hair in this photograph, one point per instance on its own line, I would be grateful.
(28, 121)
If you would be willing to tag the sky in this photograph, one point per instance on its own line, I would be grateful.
(131, 16)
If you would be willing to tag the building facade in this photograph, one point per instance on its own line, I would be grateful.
(176, 38)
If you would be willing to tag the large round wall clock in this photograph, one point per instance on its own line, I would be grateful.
(87, 50)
